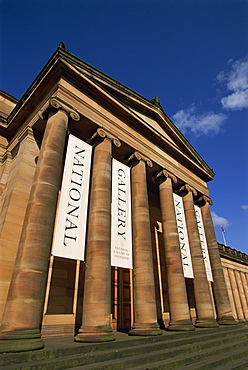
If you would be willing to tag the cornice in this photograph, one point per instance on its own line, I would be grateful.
(49, 66)
(232, 254)
(127, 115)
(8, 96)
(62, 63)
(153, 109)
(160, 141)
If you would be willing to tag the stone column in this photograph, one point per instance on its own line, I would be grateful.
(145, 313)
(17, 174)
(222, 303)
(204, 308)
(178, 301)
(96, 326)
(20, 329)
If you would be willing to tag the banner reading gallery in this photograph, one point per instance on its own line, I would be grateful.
(121, 224)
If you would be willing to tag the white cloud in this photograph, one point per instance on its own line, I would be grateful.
(236, 82)
(245, 207)
(205, 123)
(236, 101)
(219, 221)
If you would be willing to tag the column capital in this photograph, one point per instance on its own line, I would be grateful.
(203, 200)
(163, 176)
(101, 134)
(59, 104)
(185, 189)
(136, 157)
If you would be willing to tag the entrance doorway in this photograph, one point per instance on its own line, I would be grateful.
(121, 299)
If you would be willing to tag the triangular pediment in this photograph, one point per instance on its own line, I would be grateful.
(145, 116)
(150, 116)
(148, 113)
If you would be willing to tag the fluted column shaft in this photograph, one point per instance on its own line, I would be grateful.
(244, 283)
(223, 306)
(203, 301)
(97, 288)
(230, 293)
(145, 313)
(241, 294)
(235, 291)
(178, 301)
(24, 307)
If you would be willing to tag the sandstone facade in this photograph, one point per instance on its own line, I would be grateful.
(43, 294)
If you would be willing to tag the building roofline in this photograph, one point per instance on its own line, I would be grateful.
(232, 254)
(62, 55)
(8, 96)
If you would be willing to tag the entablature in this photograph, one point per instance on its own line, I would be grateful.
(162, 142)
(232, 254)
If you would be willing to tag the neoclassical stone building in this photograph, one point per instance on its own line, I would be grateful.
(105, 219)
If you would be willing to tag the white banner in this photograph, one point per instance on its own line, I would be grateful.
(121, 222)
(70, 231)
(204, 245)
(183, 237)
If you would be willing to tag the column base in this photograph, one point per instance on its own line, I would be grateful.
(20, 341)
(226, 320)
(94, 334)
(206, 323)
(182, 325)
(146, 329)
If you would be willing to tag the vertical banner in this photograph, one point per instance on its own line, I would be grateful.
(204, 245)
(183, 237)
(121, 222)
(70, 231)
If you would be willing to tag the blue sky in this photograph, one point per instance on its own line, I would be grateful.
(193, 55)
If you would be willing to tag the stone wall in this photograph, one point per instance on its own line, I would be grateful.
(235, 266)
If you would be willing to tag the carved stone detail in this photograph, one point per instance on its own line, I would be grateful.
(136, 157)
(57, 103)
(185, 189)
(162, 176)
(203, 200)
(102, 134)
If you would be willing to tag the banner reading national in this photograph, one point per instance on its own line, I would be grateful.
(70, 230)
(183, 237)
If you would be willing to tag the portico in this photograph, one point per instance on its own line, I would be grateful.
(89, 297)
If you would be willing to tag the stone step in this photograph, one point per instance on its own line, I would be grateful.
(158, 350)
(205, 359)
(132, 352)
(174, 362)
(64, 346)
(240, 364)
(224, 361)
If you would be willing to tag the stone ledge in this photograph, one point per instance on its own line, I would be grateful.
(233, 254)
